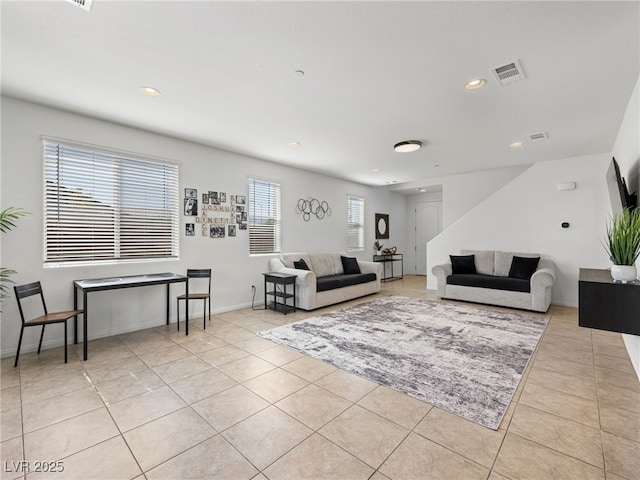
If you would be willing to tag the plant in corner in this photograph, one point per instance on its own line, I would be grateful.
(622, 244)
(8, 216)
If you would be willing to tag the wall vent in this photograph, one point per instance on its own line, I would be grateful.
(509, 73)
(84, 4)
(538, 136)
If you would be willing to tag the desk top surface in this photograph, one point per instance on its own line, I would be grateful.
(598, 275)
(129, 281)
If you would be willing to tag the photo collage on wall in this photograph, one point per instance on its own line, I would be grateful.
(219, 215)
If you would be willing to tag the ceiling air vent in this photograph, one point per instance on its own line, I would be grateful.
(538, 136)
(509, 73)
(84, 4)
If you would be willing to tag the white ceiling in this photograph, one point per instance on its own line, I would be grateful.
(376, 73)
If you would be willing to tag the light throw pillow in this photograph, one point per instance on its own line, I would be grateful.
(483, 260)
(324, 264)
(463, 264)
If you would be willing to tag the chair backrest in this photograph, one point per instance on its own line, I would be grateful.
(200, 273)
(28, 290)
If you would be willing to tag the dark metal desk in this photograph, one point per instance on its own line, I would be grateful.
(113, 283)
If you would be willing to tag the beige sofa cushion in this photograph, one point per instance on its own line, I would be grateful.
(503, 261)
(484, 260)
(324, 264)
(289, 258)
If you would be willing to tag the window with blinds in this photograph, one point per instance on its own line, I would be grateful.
(355, 223)
(103, 206)
(264, 216)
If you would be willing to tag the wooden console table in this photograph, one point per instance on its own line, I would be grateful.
(390, 259)
(608, 305)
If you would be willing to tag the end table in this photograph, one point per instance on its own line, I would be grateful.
(279, 282)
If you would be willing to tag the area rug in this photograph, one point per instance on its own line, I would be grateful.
(465, 360)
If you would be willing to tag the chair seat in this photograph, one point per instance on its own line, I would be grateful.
(53, 317)
(196, 296)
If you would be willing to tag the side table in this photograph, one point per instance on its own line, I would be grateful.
(390, 259)
(280, 295)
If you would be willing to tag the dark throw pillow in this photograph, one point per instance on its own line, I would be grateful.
(463, 264)
(350, 265)
(522, 267)
(301, 265)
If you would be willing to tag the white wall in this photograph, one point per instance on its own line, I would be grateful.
(202, 167)
(626, 150)
(526, 214)
(461, 193)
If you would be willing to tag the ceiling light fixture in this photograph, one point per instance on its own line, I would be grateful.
(516, 144)
(408, 146)
(149, 91)
(475, 84)
(375, 170)
(294, 144)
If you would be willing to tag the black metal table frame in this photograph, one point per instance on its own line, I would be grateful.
(114, 283)
(389, 258)
(284, 279)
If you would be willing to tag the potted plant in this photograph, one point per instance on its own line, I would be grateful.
(622, 244)
(377, 246)
(7, 218)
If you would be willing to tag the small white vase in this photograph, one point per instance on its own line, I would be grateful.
(624, 273)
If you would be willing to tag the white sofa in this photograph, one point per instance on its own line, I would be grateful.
(329, 269)
(497, 264)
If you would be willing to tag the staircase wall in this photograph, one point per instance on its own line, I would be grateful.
(526, 214)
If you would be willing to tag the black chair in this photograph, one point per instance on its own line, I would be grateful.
(197, 273)
(28, 290)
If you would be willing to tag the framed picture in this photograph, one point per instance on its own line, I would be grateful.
(222, 196)
(216, 231)
(191, 193)
(382, 226)
(232, 230)
(191, 206)
(241, 199)
(239, 208)
(213, 198)
(205, 198)
(242, 226)
(190, 229)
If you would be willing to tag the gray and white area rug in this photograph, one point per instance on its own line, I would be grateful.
(465, 360)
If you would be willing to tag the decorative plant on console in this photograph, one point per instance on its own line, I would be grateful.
(8, 216)
(377, 246)
(623, 244)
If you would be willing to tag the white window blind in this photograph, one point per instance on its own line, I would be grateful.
(264, 216)
(104, 206)
(355, 223)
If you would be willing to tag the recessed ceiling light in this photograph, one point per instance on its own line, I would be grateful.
(476, 83)
(149, 91)
(294, 144)
(407, 146)
(375, 170)
(516, 144)
(422, 190)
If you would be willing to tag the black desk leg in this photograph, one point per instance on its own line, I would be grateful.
(85, 305)
(186, 306)
(168, 303)
(265, 292)
(75, 319)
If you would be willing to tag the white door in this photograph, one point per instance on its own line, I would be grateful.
(428, 224)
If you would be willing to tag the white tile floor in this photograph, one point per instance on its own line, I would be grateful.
(224, 403)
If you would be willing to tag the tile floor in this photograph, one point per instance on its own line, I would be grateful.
(226, 404)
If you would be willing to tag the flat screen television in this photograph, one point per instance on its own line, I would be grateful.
(618, 188)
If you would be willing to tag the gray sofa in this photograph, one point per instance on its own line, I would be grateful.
(491, 283)
(326, 283)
